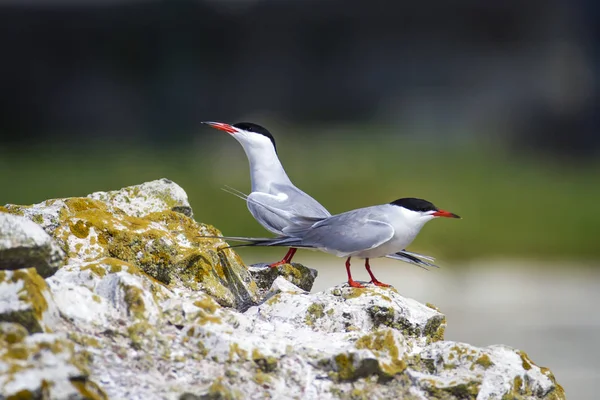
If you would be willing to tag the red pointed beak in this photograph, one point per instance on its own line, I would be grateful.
(447, 214)
(221, 126)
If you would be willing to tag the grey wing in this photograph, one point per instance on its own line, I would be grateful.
(290, 212)
(348, 233)
(299, 203)
(270, 211)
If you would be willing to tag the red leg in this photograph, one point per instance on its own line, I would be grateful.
(286, 259)
(351, 281)
(374, 280)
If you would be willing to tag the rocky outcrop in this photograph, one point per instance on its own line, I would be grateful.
(147, 231)
(143, 307)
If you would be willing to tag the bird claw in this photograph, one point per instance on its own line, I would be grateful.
(355, 284)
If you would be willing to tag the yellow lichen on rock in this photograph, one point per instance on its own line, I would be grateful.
(50, 358)
(220, 390)
(313, 313)
(236, 353)
(206, 313)
(525, 360)
(384, 344)
(344, 364)
(109, 265)
(89, 390)
(484, 361)
(31, 293)
(165, 244)
(265, 363)
(134, 300)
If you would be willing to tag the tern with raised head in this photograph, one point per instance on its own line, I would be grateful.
(274, 199)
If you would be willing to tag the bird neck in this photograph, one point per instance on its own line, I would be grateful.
(408, 223)
(265, 167)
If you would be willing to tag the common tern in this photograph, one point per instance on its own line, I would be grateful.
(378, 231)
(274, 199)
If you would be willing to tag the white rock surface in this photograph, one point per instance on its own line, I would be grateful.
(26, 299)
(149, 197)
(41, 365)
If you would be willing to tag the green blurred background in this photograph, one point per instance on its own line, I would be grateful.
(512, 204)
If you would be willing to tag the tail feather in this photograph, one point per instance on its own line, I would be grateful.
(411, 259)
(235, 192)
(421, 256)
(281, 241)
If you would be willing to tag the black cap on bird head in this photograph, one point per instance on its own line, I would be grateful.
(420, 205)
(251, 127)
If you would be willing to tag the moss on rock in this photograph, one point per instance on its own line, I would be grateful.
(220, 390)
(143, 226)
(525, 360)
(435, 328)
(387, 316)
(88, 390)
(30, 303)
(314, 312)
(484, 361)
(437, 390)
(521, 389)
(237, 353)
(11, 333)
(110, 265)
(265, 363)
(385, 346)
(350, 367)
(43, 365)
(134, 300)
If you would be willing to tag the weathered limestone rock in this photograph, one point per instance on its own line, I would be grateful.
(24, 244)
(144, 308)
(26, 299)
(492, 372)
(148, 228)
(43, 366)
(298, 274)
(149, 197)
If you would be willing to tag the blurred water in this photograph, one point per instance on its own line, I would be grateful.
(549, 311)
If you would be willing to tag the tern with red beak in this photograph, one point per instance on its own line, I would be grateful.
(274, 199)
(370, 232)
